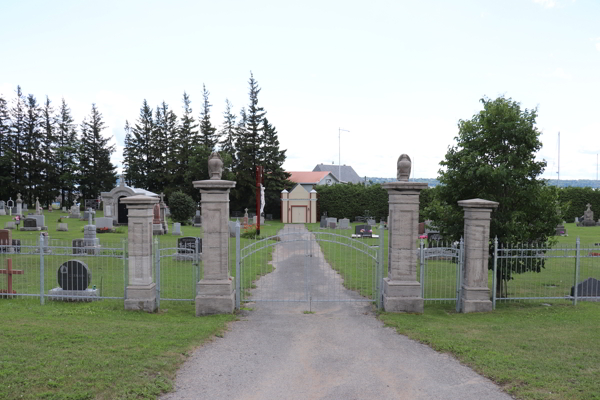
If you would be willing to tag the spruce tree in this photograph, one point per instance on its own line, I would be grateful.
(275, 177)
(165, 130)
(67, 163)
(17, 114)
(32, 154)
(208, 133)
(97, 172)
(228, 132)
(141, 162)
(50, 182)
(5, 150)
(248, 145)
(181, 149)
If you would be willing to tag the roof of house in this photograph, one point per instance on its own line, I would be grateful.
(310, 177)
(347, 172)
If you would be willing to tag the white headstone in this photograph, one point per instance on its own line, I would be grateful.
(177, 228)
(107, 211)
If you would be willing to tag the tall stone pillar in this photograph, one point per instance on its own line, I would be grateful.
(141, 291)
(401, 290)
(19, 204)
(475, 290)
(215, 292)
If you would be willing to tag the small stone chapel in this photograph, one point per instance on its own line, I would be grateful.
(113, 206)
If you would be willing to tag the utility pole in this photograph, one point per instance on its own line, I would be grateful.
(340, 130)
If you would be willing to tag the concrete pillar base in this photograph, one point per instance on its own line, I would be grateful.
(476, 299)
(215, 297)
(141, 298)
(402, 296)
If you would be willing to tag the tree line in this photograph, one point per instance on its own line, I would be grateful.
(44, 153)
(166, 153)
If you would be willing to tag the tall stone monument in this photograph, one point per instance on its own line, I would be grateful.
(475, 290)
(401, 290)
(19, 204)
(215, 292)
(141, 291)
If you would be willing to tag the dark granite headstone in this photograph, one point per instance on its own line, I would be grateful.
(74, 275)
(16, 245)
(29, 223)
(187, 244)
(588, 288)
(323, 221)
(363, 230)
(78, 246)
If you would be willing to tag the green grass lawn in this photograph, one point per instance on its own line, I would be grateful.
(532, 352)
(96, 350)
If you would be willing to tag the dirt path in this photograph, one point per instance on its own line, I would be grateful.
(341, 351)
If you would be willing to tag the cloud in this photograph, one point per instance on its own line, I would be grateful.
(598, 46)
(558, 73)
(546, 3)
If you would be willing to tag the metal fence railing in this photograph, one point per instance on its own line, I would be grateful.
(540, 273)
(58, 270)
(177, 269)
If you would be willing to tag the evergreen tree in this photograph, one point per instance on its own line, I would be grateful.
(275, 177)
(208, 133)
(248, 145)
(97, 172)
(165, 131)
(32, 157)
(141, 161)
(50, 182)
(228, 132)
(181, 150)
(5, 150)
(67, 162)
(17, 134)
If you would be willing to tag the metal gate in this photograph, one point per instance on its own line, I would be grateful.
(298, 265)
(441, 271)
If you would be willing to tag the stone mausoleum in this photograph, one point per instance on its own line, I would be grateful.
(113, 205)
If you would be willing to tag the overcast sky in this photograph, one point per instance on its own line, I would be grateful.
(397, 74)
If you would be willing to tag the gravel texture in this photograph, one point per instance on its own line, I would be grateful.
(276, 351)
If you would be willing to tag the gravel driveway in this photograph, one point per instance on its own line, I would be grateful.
(341, 351)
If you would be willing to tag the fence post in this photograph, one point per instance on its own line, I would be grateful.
(157, 271)
(494, 280)
(238, 267)
(380, 264)
(41, 238)
(459, 273)
(125, 269)
(422, 267)
(577, 245)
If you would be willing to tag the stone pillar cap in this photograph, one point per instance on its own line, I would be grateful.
(214, 184)
(478, 203)
(405, 185)
(139, 199)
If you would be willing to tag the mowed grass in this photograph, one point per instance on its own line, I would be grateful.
(532, 352)
(96, 350)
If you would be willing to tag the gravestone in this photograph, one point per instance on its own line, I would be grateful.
(371, 222)
(9, 225)
(561, 230)
(587, 288)
(245, 219)
(232, 228)
(186, 249)
(108, 211)
(344, 223)
(25, 207)
(30, 224)
(64, 209)
(576, 220)
(157, 228)
(88, 214)
(38, 207)
(62, 227)
(363, 230)
(19, 204)
(197, 220)
(5, 241)
(50, 209)
(78, 246)
(104, 223)
(323, 222)
(269, 217)
(262, 220)
(177, 229)
(74, 212)
(89, 236)
(74, 277)
(588, 217)
(2, 207)
(329, 220)
(332, 225)
(41, 221)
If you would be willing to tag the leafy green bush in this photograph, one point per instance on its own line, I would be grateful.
(182, 207)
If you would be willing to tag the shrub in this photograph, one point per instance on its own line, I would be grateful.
(182, 207)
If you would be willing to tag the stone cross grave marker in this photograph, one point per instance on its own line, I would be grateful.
(9, 272)
(74, 275)
(323, 221)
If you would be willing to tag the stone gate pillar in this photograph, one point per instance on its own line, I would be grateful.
(475, 290)
(141, 291)
(215, 292)
(401, 291)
